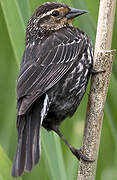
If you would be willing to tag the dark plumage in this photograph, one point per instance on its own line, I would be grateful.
(53, 78)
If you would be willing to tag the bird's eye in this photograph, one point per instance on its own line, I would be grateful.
(55, 13)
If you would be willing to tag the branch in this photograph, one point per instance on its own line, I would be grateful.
(103, 60)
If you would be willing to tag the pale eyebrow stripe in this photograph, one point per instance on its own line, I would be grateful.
(50, 12)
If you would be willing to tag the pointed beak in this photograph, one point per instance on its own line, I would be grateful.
(75, 12)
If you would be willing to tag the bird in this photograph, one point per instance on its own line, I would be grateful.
(54, 73)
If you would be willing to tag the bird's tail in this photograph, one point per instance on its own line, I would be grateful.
(28, 149)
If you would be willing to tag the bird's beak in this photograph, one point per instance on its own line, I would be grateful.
(75, 12)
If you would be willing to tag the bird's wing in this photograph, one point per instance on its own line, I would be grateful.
(44, 65)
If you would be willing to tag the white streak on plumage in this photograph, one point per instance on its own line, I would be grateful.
(45, 108)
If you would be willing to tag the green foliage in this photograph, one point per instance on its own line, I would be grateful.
(5, 166)
(56, 160)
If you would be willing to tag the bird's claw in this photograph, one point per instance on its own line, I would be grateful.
(94, 71)
(79, 155)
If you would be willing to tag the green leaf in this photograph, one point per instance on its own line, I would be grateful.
(25, 10)
(5, 166)
(53, 156)
(15, 26)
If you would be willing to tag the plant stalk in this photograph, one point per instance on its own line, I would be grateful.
(103, 60)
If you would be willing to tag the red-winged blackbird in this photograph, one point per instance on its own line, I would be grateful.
(53, 78)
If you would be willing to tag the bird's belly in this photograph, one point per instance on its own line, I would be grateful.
(66, 96)
(66, 104)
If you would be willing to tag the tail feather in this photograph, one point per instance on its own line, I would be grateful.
(28, 162)
(33, 139)
(28, 150)
(19, 161)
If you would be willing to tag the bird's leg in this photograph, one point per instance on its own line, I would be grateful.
(94, 71)
(76, 152)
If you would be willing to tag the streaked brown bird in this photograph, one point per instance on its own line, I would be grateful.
(54, 74)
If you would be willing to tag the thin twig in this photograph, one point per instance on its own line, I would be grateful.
(103, 60)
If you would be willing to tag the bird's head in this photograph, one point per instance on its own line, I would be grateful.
(52, 16)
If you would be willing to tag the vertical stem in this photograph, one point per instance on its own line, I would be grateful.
(103, 59)
(105, 25)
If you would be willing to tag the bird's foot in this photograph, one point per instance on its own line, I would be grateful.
(77, 152)
(94, 71)
(79, 155)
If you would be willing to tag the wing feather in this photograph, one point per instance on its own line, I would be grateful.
(40, 74)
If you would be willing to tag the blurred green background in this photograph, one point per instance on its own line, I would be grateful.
(56, 163)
